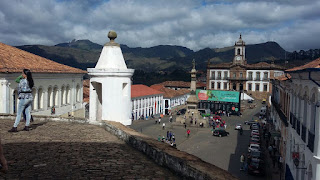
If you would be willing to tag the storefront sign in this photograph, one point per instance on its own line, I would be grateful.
(214, 95)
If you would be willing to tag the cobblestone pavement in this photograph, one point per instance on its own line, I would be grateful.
(59, 150)
(223, 152)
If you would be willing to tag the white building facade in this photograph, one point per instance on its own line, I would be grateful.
(146, 106)
(252, 79)
(296, 102)
(55, 85)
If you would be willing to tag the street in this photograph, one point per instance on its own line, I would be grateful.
(223, 152)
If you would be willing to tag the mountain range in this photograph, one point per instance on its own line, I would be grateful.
(170, 61)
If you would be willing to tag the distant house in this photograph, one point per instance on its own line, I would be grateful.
(171, 97)
(56, 85)
(177, 85)
(145, 101)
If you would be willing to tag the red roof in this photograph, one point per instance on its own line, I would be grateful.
(139, 90)
(312, 64)
(169, 93)
(15, 60)
(181, 84)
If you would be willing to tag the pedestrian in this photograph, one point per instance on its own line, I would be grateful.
(188, 132)
(170, 135)
(270, 150)
(167, 134)
(25, 96)
(3, 160)
(171, 119)
(173, 138)
(242, 159)
(159, 138)
(163, 125)
(274, 161)
(185, 125)
(159, 120)
(241, 131)
(280, 162)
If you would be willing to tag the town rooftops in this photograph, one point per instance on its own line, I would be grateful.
(182, 84)
(311, 66)
(14, 60)
(139, 90)
(170, 93)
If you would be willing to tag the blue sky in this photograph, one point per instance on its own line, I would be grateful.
(195, 24)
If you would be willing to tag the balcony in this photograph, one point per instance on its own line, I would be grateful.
(282, 116)
(236, 78)
(257, 79)
(265, 79)
(310, 141)
(250, 78)
(212, 78)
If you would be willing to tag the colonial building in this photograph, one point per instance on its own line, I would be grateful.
(176, 85)
(56, 85)
(172, 98)
(146, 101)
(295, 111)
(253, 79)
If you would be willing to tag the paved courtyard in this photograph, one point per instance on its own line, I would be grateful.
(59, 150)
(223, 152)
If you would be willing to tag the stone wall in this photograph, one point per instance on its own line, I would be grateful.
(185, 165)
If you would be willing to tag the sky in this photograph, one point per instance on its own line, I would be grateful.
(195, 24)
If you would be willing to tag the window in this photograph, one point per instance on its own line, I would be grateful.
(234, 75)
(225, 85)
(225, 74)
(258, 76)
(265, 75)
(219, 85)
(257, 87)
(212, 74)
(212, 85)
(241, 74)
(265, 87)
(219, 74)
(250, 76)
(239, 51)
(249, 87)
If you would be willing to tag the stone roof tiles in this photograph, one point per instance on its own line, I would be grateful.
(15, 60)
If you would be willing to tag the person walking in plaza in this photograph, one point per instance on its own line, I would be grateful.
(3, 160)
(163, 125)
(242, 159)
(188, 132)
(159, 120)
(25, 99)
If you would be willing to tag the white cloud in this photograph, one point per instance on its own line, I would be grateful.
(193, 24)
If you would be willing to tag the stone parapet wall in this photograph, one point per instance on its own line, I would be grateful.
(185, 165)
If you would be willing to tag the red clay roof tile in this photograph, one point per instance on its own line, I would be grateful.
(139, 90)
(313, 64)
(15, 60)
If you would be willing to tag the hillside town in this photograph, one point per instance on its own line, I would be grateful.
(245, 121)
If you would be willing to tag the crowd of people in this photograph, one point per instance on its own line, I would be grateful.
(169, 139)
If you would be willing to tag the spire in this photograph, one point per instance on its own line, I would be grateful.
(240, 36)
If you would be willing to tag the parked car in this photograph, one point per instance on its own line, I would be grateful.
(181, 111)
(254, 141)
(220, 132)
(256, 167)
(253, 147)
(255, 132)
(238, 127)
(254, 127)
(250, 122)
(256, 137)
(255, 155)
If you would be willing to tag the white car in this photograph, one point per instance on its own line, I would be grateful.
(238, 127)
(253, 147)
(255, 132)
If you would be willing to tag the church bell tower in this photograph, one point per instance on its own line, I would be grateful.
(239, 52)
